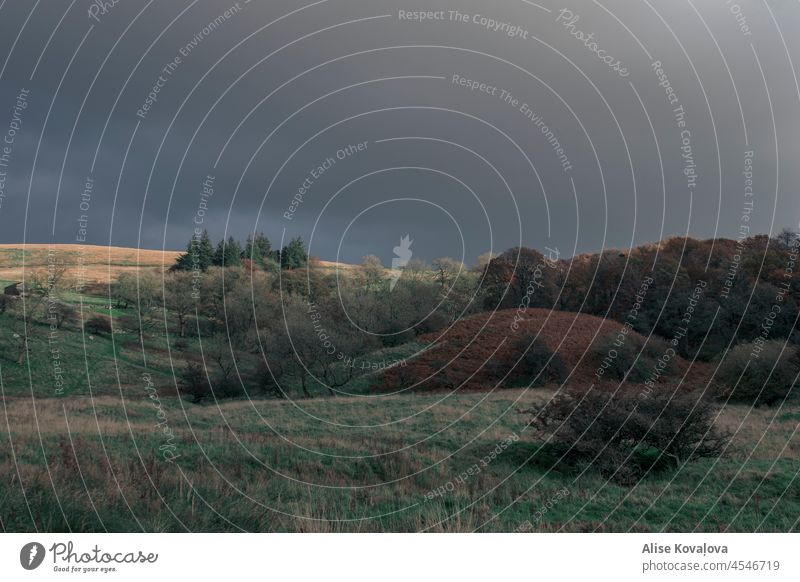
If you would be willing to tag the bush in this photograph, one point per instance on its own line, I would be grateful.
(97, 325)
(765, 379)
(434, 322)
(631, 359)
(623, 434)
(530, 363)
(194, 383)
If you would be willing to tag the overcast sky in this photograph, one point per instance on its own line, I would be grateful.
(260, 96)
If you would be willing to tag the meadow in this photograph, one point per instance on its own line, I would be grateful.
(362, 465)
(99, 433)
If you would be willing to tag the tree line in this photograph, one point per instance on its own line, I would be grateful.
(748, 285)
(201, 253)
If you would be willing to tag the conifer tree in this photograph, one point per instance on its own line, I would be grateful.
(199, 254)
(228, 253)
(257, 249)
(293, 255)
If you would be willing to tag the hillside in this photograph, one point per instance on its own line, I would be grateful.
(475, 353)
(94, 264)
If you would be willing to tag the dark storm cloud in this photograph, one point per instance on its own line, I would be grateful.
(391, 77)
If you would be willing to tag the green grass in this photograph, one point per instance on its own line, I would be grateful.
(92, 458)
(356, 464)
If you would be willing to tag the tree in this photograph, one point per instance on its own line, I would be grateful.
(194, 383)
(42, 303)
(520, 277)
(19, 333)
(178, 298)
(258, 250)
(415, 271)
(763, 374)
(239, 313)
(785, 239)
(463, 297)
(293, 255)
(140, 290)
(373, 272)
(483, 261)
(228, 253)
(447, 270)
(268, 379)
(312, 343)
(215, 376)
(199, 254)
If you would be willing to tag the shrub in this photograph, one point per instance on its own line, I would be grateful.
(194, 383)
(762, 379)
(97, 325)
(531, 363)
(622, 434)
(227, 387)
(632, 359)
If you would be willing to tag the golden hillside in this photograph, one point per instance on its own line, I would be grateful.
(96, 264)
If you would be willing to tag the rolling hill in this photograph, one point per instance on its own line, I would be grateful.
(94, 264)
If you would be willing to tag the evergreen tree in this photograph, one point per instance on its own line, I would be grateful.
(205, 251)
(228, 253)
(293, 255)
(199, 253)
(257, 249)
(262, 245)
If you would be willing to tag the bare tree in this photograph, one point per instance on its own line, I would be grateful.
(446, 271)
(786, 238)
(179, 298)
(315, 346)
(140, 290)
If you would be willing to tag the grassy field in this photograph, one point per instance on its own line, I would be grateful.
(90, 264)
(131, 463)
